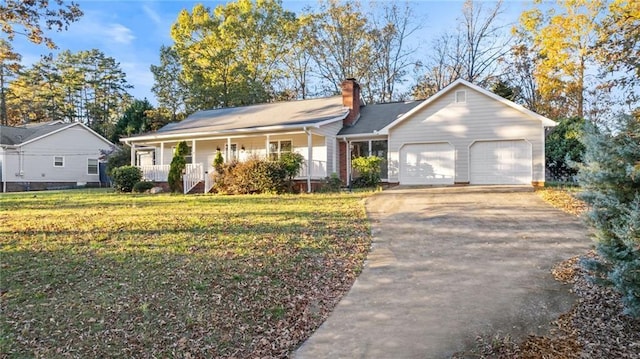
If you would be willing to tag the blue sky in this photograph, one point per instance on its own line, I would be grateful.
(132, 31)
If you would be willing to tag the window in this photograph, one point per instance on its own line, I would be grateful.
(233, 154)
(461, 96)
(188, 157)
(58, 161)
(277, 148)
(92, 166)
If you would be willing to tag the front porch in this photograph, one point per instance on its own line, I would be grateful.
(319, 152)
(195, 174)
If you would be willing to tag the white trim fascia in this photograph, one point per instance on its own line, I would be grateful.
(331, 120)
(545, 121)
(223, 137)
(365, 135)
(65, 128)
(190, 135)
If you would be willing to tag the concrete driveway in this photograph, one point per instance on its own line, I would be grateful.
(448, 264)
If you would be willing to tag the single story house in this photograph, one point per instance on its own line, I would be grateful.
(50, 155)
(463, 134)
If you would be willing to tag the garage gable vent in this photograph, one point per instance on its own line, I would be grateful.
(461, 96)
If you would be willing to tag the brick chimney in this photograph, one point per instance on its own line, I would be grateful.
(351, 100)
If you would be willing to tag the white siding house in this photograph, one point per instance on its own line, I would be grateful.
(465, 134)
(50, 155)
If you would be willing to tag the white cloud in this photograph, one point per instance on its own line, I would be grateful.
(119, 34)
(152, 14)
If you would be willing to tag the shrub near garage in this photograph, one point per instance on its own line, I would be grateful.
(369, 170)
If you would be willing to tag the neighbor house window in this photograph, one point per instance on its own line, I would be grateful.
(277, 148)
(461, 96)
(58, 161)
(92, 166)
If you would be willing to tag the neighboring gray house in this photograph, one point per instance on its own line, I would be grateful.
(462, 135)
(49, 155)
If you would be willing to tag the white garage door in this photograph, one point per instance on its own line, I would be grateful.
(500, 162)
(427, 163)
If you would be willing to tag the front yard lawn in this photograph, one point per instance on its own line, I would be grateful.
(94, 274)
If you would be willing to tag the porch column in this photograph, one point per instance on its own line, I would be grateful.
(348, 159)
(335, 155)
(133, 154)
(309, 160)
(228, 152)
(266, 146)
(193, 152)
(161, 153)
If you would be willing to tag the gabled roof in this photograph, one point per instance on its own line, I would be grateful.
(375, 117)
(545, 121)
(262, 117)
(20, 136)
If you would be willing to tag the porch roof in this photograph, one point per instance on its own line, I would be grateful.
(375, 117)
(255, 118)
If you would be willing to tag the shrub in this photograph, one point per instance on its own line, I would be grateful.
(125, 177)
(332, 183)
(142, 186)
(610, 177)
(292, 163)
(252, 176)
(218, 161)
(178, 164)
(369, 170)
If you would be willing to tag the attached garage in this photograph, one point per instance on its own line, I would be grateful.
(501, 162)
(427, 164)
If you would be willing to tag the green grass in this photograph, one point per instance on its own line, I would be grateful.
(97, 274)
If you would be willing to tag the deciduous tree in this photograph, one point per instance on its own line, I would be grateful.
(340, 44)
(392, 58)
(169, 85)
(235, 50)
(28, 18)
(618, 47)
(564, 36)
(472, 51)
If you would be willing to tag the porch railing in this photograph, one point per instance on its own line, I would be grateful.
(318, 169)
(155, 173)
(193, 174)
(208, 181)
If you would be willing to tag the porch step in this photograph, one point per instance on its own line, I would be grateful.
(198, 188)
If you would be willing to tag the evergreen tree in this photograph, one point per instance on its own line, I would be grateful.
(610, 177)
(178, 164)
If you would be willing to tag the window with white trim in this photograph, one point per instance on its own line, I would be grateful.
(92, 166)
(277, 148)
(58, 161)
(233, 151)
(461, 96)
